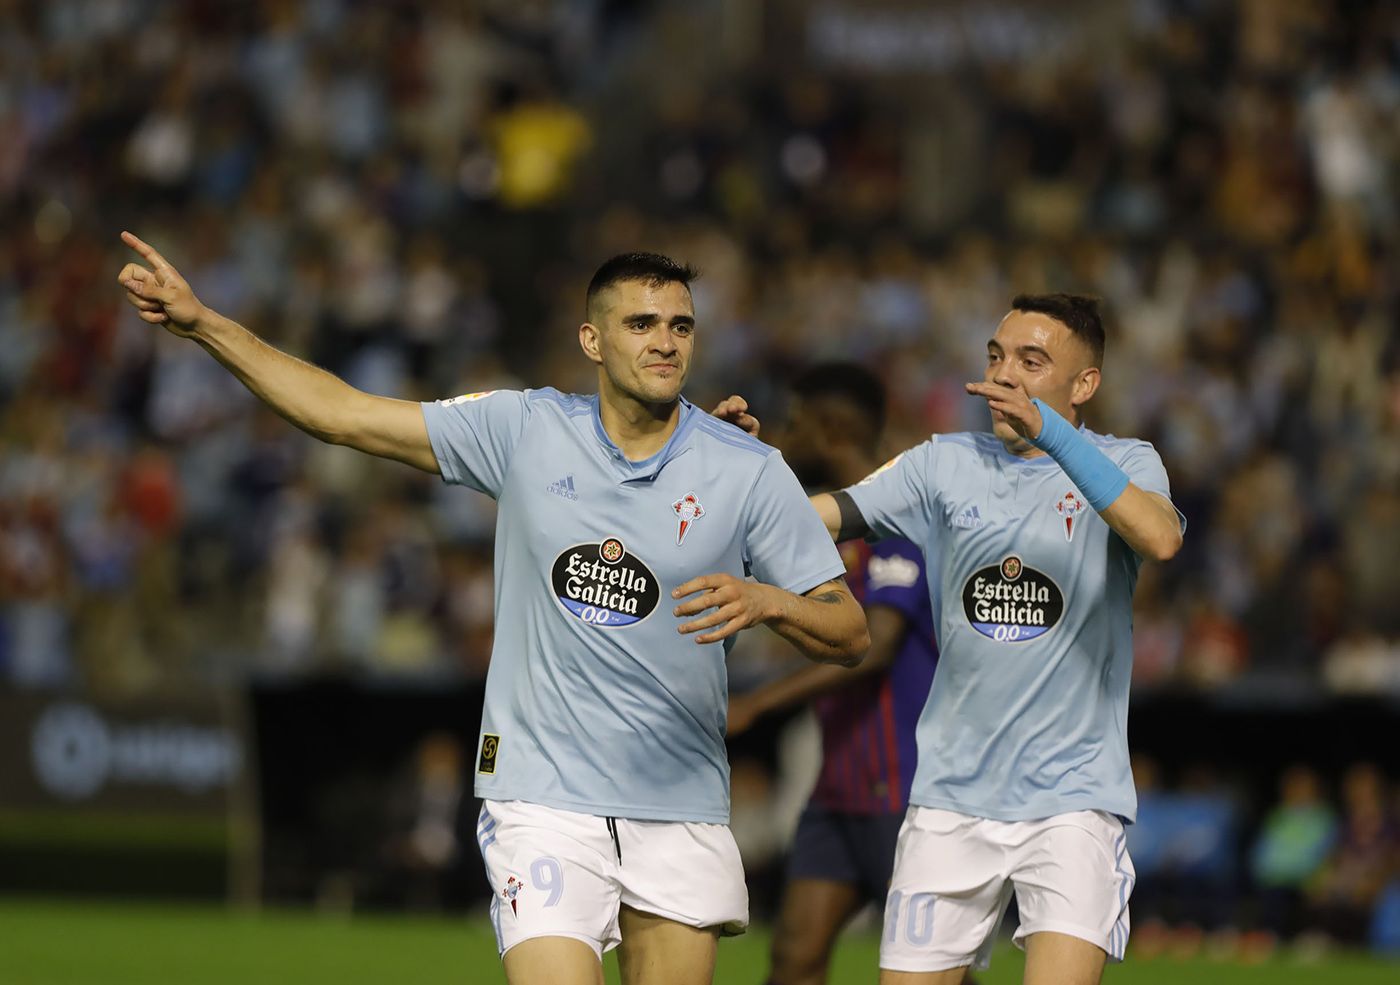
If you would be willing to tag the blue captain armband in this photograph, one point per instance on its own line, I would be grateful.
(1089, 469)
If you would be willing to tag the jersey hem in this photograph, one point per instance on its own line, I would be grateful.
(630, 813)
(1123, 812)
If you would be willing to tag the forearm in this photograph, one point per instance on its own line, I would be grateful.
(1146, 521)
(807, 683)
(828, 626)
(314, 400)
(816, 680)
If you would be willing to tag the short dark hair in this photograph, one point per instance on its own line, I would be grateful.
(848, 381)
(1077, 312)
(652, 269)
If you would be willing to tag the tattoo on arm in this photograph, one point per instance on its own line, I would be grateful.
(831, 597)
(852, 523)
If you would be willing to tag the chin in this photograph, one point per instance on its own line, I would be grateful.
(667, 393)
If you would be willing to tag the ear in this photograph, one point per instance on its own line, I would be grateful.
(589, 340)
(1085, 386)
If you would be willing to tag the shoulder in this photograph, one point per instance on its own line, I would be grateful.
(710, 431)
(978, 444)
(566, 404)
(1120, 449)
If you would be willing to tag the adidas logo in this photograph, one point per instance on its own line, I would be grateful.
(968, 518)
(564, 487)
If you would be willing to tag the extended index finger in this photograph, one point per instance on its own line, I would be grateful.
(996, 391)
(147, 251)
(696, 585)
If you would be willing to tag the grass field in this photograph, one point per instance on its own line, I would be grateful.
(67, 943)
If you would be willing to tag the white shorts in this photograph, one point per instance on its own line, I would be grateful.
(954, 875)
(557, 873)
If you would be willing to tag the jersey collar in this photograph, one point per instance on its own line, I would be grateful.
(648, 468)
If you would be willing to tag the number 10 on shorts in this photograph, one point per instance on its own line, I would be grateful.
(917, 917)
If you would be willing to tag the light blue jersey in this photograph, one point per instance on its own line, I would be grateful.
(594, 701)
(1032, 596)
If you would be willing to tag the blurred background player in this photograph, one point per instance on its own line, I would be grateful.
(601, 762)
(843, 851)
(1035, 534)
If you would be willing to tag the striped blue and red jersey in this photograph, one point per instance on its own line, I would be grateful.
(868, 744)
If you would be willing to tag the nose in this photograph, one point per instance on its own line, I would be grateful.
(1001, 374)
(663, 340)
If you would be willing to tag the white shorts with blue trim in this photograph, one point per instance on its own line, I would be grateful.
(558, 873)
(954, 875)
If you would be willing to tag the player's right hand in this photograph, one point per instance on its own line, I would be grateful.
(158, 293)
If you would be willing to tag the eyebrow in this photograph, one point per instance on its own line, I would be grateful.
(651, 318)
(1023, 350)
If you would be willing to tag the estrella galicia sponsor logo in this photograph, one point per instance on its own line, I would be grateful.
(604, 585)
(1011, 603)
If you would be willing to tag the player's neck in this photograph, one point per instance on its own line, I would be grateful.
(638, 428)
(1021, 448)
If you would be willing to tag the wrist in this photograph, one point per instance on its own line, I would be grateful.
(774, 604)
(206, 323)
(1097, 477)
(1054, 429)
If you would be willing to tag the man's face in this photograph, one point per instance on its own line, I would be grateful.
(642, 336)
(1043, 355)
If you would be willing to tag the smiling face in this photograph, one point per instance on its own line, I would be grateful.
(641, 336)
(1039, 352)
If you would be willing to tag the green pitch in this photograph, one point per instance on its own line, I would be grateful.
(63, 943)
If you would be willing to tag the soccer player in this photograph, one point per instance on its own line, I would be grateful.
(1034, 535)
(628, 521)
(843, 851)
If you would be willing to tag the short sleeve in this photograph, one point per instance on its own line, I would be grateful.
(474, 435)
(786, 543)
(896, 499)
(895, 577)
(1144, 468)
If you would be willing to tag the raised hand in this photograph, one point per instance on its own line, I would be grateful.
(735, 410)
(158, 292)
(1012, 403)
(738, 604)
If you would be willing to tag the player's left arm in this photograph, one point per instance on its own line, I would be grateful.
(825, 623)
(1146, 520)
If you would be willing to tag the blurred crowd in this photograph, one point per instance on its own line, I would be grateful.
(414, 195)
(1319, 867)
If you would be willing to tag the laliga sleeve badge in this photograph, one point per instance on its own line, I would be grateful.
(1069, 506)
(687, 510)
(490, 745)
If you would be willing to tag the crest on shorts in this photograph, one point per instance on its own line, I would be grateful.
(687, 510)
(512, 890)
(1069, 506)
